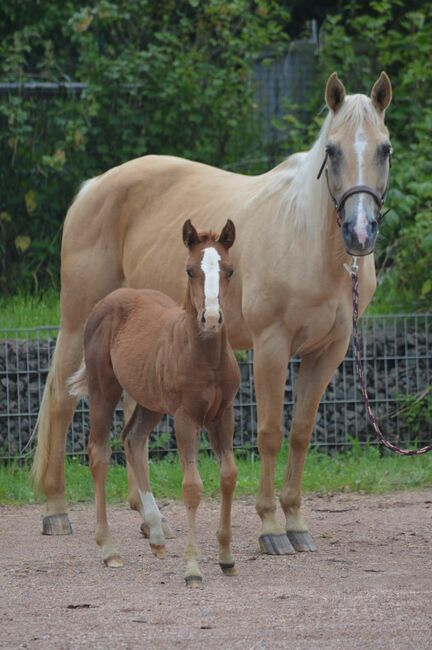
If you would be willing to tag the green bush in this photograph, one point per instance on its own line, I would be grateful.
(162, 77)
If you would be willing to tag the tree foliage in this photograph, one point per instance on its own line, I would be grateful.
(174, 77)
(162, 77)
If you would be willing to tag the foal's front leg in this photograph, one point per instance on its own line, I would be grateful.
(187, 435)
(221, 438)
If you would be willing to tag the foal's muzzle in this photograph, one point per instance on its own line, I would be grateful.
(211, 320)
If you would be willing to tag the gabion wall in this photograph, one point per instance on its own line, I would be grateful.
(396, 352)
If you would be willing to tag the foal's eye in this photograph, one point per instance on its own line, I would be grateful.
(190, 272)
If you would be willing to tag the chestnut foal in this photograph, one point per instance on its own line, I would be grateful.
(169, 360)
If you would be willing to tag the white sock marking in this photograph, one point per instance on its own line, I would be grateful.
(150, 512)
(360, 145)
(210, 266)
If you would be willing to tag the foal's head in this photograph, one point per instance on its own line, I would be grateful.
(358, 159)
(209, 271)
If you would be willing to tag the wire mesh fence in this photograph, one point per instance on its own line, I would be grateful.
(396, 354)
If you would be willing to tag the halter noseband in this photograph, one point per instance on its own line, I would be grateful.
(355, 189)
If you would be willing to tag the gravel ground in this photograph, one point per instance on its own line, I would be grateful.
(368, 586)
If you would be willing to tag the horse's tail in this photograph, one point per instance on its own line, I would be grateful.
(77, 383)
(43, 428)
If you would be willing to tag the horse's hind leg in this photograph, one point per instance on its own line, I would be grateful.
(315, 373)
(187, 444)
(133, 492)
(55, 413)
(102, 402)
(221, 438)
(135, 437)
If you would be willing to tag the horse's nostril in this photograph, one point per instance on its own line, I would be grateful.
(203, 320)
(220, 317)
(374, 227)
(345, 229)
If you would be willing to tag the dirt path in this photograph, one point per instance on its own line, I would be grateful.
(368, 586)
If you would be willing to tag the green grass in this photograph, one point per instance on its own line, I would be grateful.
(357, 470)
(24, 310)
(43, 309)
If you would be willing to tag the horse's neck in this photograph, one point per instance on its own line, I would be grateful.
(207, 349)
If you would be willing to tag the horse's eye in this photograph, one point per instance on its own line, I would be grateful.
(331, 150)
(190, 272)
(230, 273)
(387, 150)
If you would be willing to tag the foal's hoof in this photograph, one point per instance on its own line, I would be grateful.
(194, 582)
(229, 568)
(275, 545)
(167, 530)
(158, 550)
(56, 525)
(114, 562)
(301, 540)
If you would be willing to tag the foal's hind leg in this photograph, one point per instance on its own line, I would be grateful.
(102, 404)
(221, 438)
(135, 436)
(187, 444)
(133, 492)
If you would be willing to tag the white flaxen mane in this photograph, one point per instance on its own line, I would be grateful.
(303, 199)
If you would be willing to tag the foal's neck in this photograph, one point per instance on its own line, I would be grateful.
(208, 347)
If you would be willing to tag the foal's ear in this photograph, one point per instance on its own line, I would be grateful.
(334, 93)
(227, 236)
(381, 94)
(190, 235)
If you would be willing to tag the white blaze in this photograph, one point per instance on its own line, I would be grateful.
(211, 269)
(360, 228)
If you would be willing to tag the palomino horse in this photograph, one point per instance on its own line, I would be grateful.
(290, 295)
(169, 360)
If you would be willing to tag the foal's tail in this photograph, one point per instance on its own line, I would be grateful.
(77, 383)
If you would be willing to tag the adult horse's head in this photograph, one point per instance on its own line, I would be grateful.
(357, 160)
(209, 270)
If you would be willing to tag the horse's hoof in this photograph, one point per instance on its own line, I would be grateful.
(114, 562)
(275, 545)
(56, 525)
(229, 568)
(301, 540)
(167, 530)
(194, 582)
(145, 530)
(158, 550)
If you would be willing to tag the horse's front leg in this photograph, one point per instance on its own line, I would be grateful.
(314, 375)
(271, 355)
(187, 435)
(221, 438)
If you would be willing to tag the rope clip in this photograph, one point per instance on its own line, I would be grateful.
(353, 269)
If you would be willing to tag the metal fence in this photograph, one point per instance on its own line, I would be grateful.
(396, 353)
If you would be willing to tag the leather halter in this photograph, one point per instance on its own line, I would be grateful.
(355, 189)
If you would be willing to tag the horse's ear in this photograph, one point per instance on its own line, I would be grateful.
(190, 235)
(334, 93)
(227, 236)
(381, 94)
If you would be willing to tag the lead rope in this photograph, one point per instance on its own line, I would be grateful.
(353, 271)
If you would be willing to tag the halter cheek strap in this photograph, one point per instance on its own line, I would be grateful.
(355, 189)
